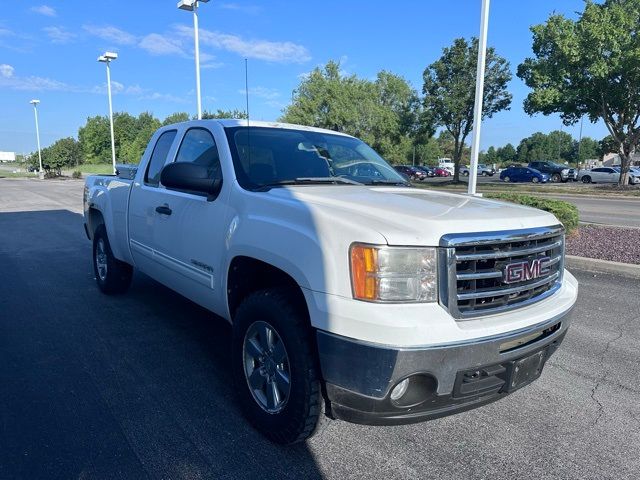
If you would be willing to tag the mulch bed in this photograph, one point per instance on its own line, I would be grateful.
(617, 244)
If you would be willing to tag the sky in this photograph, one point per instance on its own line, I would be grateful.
(48, 51)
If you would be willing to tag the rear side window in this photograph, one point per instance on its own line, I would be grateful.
(158, 158)
(199, 147)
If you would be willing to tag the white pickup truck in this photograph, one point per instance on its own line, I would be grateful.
(351, 294)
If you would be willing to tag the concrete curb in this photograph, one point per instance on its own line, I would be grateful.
(602, 266)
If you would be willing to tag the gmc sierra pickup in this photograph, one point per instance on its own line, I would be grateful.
(350, 293)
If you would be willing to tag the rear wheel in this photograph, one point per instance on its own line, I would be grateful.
(112, 275)
(535, 179)
(506, 179)
(466, 174)
(586, 179)
(275, 367)
(555, 178)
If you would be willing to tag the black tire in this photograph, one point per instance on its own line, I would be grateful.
(556, 178)
(117, 276)
(586, 179)
(506, 179)
(466, 174)
(535, 179)
(484, 174)
(298, 417)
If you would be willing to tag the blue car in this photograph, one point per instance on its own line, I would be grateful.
(523, 174)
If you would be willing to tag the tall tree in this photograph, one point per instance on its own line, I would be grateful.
(507, 154)
(590, 66)
(224, 114)
(449, 88)
(65, 152)
(176, 117)
(94, 138)
(385, 113)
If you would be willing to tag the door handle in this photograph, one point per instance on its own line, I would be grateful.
(163, 210)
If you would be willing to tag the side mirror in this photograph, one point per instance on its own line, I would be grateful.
(190, 178)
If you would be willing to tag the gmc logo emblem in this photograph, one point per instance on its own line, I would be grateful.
(527, 270)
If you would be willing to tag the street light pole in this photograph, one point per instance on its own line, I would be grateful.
(107, 58)
(35, 112)
(192, 5)
(477, 109)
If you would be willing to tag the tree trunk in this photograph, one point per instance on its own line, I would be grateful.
(625, 152)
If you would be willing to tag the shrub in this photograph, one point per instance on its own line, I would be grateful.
(76, 174)
(566, 212)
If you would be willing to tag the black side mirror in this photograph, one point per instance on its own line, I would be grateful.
(190, 178)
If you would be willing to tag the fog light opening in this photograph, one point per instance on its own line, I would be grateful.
(399, 390)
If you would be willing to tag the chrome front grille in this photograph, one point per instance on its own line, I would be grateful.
(473, 267)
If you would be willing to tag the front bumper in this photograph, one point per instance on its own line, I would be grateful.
(360, 376)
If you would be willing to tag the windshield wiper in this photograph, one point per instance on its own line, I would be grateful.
(308, 181)
(388, 182)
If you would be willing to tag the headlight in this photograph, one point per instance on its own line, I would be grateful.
(393, 274)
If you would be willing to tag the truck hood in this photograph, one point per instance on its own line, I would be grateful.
(411, 216)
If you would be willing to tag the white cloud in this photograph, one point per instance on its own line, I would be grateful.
(32, 83)
(45, 10)
(250, 9)
(59, 34)
(262, 92)
(165, 97)
(278, 52)
(111, 34)
(6, 70)
(157, 44)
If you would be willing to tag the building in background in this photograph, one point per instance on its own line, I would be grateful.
(7, 157)
(613, 159)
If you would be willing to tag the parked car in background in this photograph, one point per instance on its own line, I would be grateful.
(634, 175)
(427, 170)
(607, 175)
(411, 172)
(447, 164)
(557, 173)
(573, 174)
(441, 172)
(523, 174)
(483, 170)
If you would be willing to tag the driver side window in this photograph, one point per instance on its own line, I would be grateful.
(199, 147)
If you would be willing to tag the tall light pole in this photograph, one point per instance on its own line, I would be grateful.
(35, 103)
(192, 6)
(107, 58)
(477, 108)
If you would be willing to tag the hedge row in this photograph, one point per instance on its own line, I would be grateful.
(566, 212)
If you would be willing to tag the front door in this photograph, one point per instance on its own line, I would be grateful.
(189, 236)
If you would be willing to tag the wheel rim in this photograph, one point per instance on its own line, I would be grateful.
(506, 179)
(535, 180)
(101, 259)
(266, 367)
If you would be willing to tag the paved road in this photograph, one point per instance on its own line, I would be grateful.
(623, 212)
(138, 386)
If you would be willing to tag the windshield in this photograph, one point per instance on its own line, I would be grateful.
(265, 157)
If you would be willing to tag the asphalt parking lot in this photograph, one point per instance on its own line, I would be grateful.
(138, 386)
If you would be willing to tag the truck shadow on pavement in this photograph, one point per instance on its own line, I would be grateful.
(131, 386)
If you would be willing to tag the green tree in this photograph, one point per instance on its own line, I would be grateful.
(490, 156)
(125, 130)
(449, 89)
(94, 138)
(145, 126)
(65, 152)
(586, 149)
(428, 153)
(176, 117)
(224, 114)
(385, 113)
(607, 145)
(590, 66)
(507, 154)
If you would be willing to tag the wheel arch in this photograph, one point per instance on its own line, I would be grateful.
(247, 274)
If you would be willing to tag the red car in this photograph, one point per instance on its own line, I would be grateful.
(441, 172)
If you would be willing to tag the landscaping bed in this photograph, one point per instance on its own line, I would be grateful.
(616, 244)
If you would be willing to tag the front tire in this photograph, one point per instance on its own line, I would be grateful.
(506, 179)
(586, 179)
(556, 178)
(275, 366)
(535, 179)
(112, 275)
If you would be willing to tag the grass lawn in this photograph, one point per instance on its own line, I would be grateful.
(92, 169)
